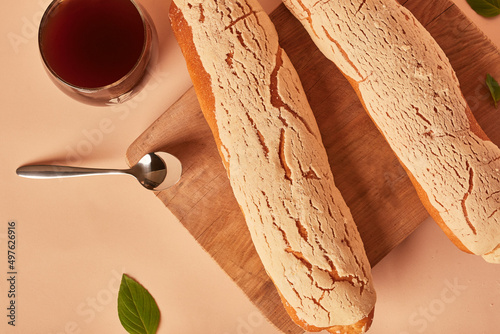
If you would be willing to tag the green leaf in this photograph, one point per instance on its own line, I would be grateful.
(494, 88)
(137, 309)
(486, 8)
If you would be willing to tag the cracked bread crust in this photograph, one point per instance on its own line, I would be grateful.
(270, 144)
(409, 89)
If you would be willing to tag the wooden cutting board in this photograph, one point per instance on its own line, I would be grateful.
(374, 185)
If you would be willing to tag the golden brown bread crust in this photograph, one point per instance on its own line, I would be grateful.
(199, 77)
(410, 91)
(358, 328)
(202, 83)
(418, 188)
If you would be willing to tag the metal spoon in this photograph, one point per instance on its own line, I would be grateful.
(155, 171)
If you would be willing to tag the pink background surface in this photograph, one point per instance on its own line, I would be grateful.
(75, 237)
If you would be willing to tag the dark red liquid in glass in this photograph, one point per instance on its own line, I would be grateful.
(93, 43)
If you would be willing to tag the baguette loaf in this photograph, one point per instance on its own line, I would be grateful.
(271, 147)
(409, 89)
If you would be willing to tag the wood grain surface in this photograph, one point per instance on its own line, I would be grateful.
(383, 202)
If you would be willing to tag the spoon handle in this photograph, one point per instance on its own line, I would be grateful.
(52, 171)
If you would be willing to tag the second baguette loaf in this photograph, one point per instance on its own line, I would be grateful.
(271, 147)
(412, 94)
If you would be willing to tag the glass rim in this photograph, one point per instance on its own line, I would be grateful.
(48, 11)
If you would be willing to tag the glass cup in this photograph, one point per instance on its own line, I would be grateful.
(97, 51)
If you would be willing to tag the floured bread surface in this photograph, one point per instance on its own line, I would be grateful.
(411, 92)
(276, 162)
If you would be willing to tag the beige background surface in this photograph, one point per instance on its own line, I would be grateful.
(75, 237)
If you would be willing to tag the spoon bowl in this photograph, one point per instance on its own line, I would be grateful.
(155, 171)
